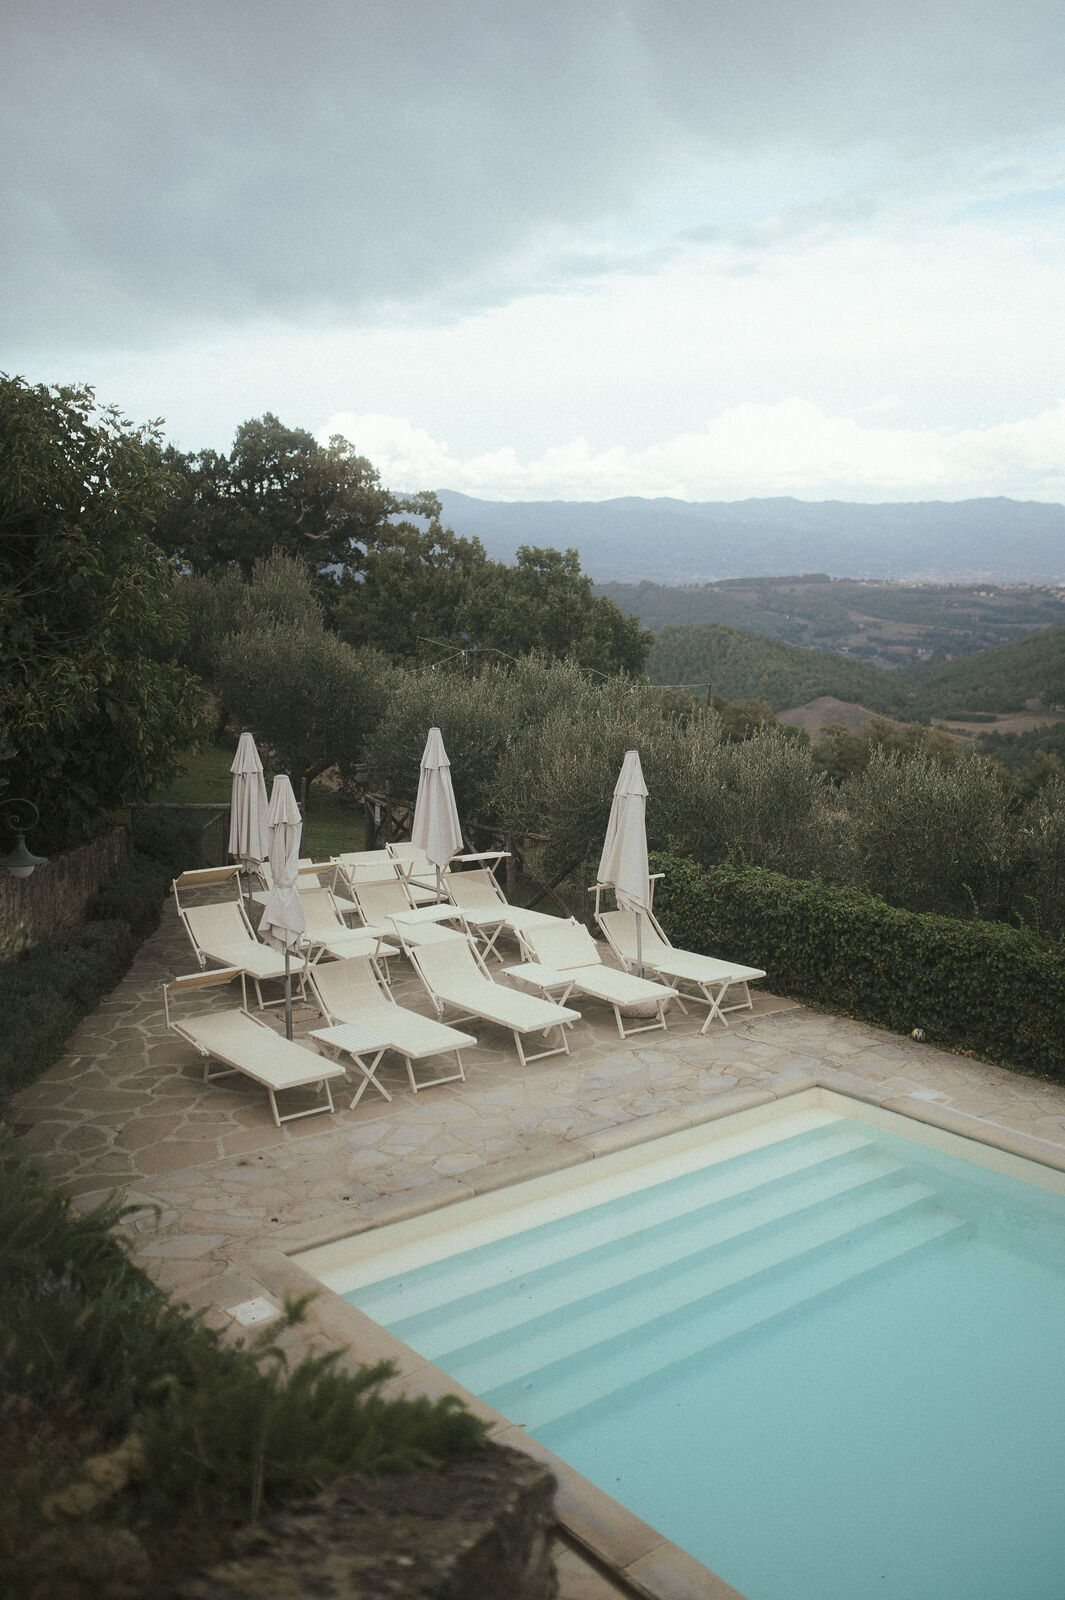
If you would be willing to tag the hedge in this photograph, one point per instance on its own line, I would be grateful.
(57, 981)
(974, 986)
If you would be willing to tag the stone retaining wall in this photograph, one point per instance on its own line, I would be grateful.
(480, 1528)
(55, 895)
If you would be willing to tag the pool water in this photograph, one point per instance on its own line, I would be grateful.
(829, 1367)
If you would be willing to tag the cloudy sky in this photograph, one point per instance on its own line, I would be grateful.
(570, 249)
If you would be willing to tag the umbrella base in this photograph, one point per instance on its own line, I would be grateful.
(645, 1008)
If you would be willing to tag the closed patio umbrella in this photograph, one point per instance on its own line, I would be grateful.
(249, 839)
(436, 827)
(623, 864)
(284, 919)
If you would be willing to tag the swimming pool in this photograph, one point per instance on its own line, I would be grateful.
(820, 1356)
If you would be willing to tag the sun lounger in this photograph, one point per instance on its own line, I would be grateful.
(310, 876)
(486, 908)
(707, 980)
(359, 867)
(329, 934)
(382, 903)
(247, 1044)
(221, 932)
(567, 949)
(456, 977)
(350, 991)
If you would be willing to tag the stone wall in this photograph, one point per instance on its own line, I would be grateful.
(55, 895)
(480, 1528)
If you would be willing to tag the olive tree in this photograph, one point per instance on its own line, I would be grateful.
(308, 697)
(930, 837)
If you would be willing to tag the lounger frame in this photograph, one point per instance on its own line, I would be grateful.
(319, 1070)
(211, 877)
(710, 990)
(420, 956)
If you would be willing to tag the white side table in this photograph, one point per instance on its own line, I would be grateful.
(546, 979)
(345, 1039)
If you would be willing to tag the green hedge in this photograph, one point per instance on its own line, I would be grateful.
(45, 995)
(970, 985)
(57, 981)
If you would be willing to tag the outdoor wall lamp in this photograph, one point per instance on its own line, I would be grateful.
(19, 861)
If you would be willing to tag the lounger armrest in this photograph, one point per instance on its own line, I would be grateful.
(204, 877)
(202, 980)
(484, 855)
(197, 980)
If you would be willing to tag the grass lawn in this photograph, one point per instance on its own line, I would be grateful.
(333, 823)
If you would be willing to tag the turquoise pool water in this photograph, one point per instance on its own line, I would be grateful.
(830, 1368)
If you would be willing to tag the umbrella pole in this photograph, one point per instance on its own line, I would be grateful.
(439, 890)
(288, 993)
(639, 944)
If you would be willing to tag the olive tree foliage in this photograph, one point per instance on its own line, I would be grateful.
(842, 753)
(930, 837)
(93, 702)
(278, 671)
(536, 749)
(477, 716)
(1040, 897)
(308, 697)
(219, 604)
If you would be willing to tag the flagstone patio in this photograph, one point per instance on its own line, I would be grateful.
(225, 1196)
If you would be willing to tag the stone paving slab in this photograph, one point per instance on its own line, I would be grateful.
(224, 1194)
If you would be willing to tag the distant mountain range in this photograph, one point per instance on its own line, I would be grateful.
(682, 541)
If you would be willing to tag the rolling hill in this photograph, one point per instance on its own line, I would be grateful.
(742, 665)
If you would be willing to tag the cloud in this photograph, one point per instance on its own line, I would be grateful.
(354, 162)
(788, 448)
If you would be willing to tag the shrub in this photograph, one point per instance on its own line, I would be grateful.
(170, 837)
(976, 986)
(48, 991)
(55, 982)
(223, 1431)
(133, 894)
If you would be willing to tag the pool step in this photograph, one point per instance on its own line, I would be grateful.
(635, 1352)
(503, 1265)
(652, 1263)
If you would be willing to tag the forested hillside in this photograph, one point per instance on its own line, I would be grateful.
(1004, 679)
(887, 624)
(743, 666)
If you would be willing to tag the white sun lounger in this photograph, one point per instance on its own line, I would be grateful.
(247, 1044)
(455, 976)
(383, 903)
(351, 991)
(329, 934)
(487, 909)
(708, 981)
(567, 949)
(221, 932)
(308, 881)
(360, 867)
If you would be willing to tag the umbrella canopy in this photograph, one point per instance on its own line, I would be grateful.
(436, 827)
(284, 919)
(249, 839)
(624, 859)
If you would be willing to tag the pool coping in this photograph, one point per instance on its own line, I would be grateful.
(635, 1554)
